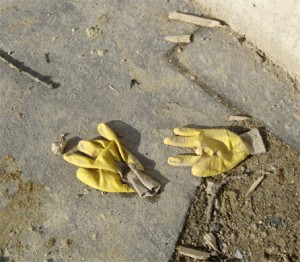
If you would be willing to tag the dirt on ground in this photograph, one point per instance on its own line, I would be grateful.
(263, 226)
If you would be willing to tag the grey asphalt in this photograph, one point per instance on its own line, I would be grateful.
(94, 89)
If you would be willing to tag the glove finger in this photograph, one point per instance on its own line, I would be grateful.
(182, 141)
(103, 180)
(106, 132)
(183, 160)
(79, 160)
(186, 131)
(92, 148)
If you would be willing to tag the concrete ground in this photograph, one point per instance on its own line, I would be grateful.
(46, 213)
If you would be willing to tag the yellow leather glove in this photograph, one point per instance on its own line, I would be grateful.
(217, 150)
(98, 169)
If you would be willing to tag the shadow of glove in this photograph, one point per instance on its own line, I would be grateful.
(216, 150)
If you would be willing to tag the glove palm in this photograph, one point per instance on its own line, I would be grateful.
(217, 150)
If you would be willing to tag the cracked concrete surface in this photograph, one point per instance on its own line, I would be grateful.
(71, 221)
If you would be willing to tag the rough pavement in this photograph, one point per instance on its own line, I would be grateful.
(54, 216)
(70, 222)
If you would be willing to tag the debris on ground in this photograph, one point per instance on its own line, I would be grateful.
(255, 184)
(197, 20)
(47, 56)
(37, 77)
(238, 118)
(190, 252)
(114, 89)
(102, 52)
(74, 29)
(58, 147)
(93, 32)
(211, 241)
(134, 82)
(179, 38)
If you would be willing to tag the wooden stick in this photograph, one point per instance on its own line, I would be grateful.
(255, 184)
(238, 118)
(179, 38)
(193, 253)
(194, 19)
(12, 63)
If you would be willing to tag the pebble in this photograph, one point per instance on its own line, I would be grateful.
(275, 221)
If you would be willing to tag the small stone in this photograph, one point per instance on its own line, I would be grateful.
(95, 236)
(264, 234)
(275, 221)
(101, 52)
(253, 226)
(74, 29)
(58, 147)
(239, 255)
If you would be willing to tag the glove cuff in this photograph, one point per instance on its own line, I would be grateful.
(254, 141)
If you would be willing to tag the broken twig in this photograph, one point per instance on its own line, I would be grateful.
(114, 89)
(15, 64)
(179, 39)
(238, 118)
(194, 19)
(211, 241)
(255, 184)
(193, 253)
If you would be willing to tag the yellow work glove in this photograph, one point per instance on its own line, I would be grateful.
(116, 167)
(136, 177)
(216, 150)
(98, 169)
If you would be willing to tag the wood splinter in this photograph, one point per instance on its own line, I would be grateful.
(179, 38)
(193, 19)
(194, 253)
(15, 64)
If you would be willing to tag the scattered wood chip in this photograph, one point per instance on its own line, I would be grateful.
(255, 184)
(197, 254)
(238, 118)
(211, 241)
(179, 38)
(101, 52)
(74, 29)
(194, 19)
(114, 89)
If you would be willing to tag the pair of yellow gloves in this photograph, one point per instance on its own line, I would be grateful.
(106, 165)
